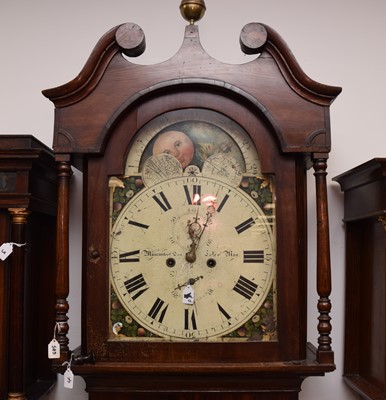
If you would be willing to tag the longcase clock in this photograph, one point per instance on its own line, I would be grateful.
(194, 230)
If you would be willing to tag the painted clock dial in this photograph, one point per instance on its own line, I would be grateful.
(191, 269)
(192, 243)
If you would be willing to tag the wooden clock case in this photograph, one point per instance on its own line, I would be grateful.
(364, 190)
(287, 116)
(28, 206)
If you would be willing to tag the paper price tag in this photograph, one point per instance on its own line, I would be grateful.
(53, 349)
(68, 378)
(7, 248)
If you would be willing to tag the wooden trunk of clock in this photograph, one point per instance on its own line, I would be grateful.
(174, 301)
(364, 190)
(27, 216)
(202, 396)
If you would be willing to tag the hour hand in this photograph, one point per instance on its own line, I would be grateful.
(194, 229)
(191, 281)
(190, 256)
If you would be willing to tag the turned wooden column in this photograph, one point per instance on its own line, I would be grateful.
(324, 352)
(16, 304)
(64, 173)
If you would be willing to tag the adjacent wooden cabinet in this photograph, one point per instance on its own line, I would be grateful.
(365, 334)
(27, 216)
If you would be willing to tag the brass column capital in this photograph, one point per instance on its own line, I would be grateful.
(19, 215)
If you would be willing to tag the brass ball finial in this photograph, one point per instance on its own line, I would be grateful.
(192, 10)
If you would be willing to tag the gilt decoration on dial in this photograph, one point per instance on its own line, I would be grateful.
(192, 234)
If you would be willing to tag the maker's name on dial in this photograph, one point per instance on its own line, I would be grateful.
(161, 253)
(226, 253)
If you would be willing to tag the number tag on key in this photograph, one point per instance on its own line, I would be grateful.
(188, 295)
